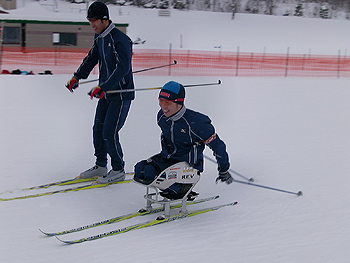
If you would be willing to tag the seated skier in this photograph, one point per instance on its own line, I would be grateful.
(185, 133)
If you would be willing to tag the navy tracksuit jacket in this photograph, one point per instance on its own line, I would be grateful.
(112, 50)
(184, 136)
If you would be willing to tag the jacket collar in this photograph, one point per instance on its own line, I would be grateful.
(178, 115)
(107, 30)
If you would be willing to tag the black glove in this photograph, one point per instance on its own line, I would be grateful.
(224, 177)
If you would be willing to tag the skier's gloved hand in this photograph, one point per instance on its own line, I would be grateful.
(72, 84)
(224, 177)
(96, 92)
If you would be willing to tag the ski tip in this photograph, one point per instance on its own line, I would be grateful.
(46, 234)
(59, 239)
(219, 81)
(63, 241)
(299, 193)
(94, 182)
(231, 204)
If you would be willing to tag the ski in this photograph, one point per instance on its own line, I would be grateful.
(75, 180)
(146, 224)
(127, 216)
(59, 183)
(72, 189)
(67, 182)
(64, 182)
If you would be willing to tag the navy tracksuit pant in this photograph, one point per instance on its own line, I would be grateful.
(109, 119)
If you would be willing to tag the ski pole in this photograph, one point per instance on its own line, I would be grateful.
(270, 188)
(186, 86)
(252, 180)
(163, 66)
(204, 84)
(232, 171)
(137, 71)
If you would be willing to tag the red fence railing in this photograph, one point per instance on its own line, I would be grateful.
(189, 62)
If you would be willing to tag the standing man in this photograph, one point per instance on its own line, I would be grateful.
(185, 133)
(112, 50)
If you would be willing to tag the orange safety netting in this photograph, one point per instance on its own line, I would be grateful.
(189, 62)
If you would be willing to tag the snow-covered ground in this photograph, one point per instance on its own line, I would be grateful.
(289, 133)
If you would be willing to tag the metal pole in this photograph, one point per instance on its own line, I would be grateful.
(237, 61)
(2, 25)
(287, 61)
(230, 170)
(170, 47)
(338, 68)
(137, 71)
(268, 187)
(250, 180)
(186, 86)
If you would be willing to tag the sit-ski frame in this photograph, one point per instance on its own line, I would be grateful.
(181, 173)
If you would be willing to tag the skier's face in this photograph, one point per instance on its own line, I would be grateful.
(98, 25)
(168, 107)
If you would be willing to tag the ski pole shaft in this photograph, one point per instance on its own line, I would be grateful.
(250, 180)
(186, 86)
(203, 84)
(163, 66)
(268, 187)
(230, 170)
(137, 71)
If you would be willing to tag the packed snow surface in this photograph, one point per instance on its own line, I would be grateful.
(288, 133)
